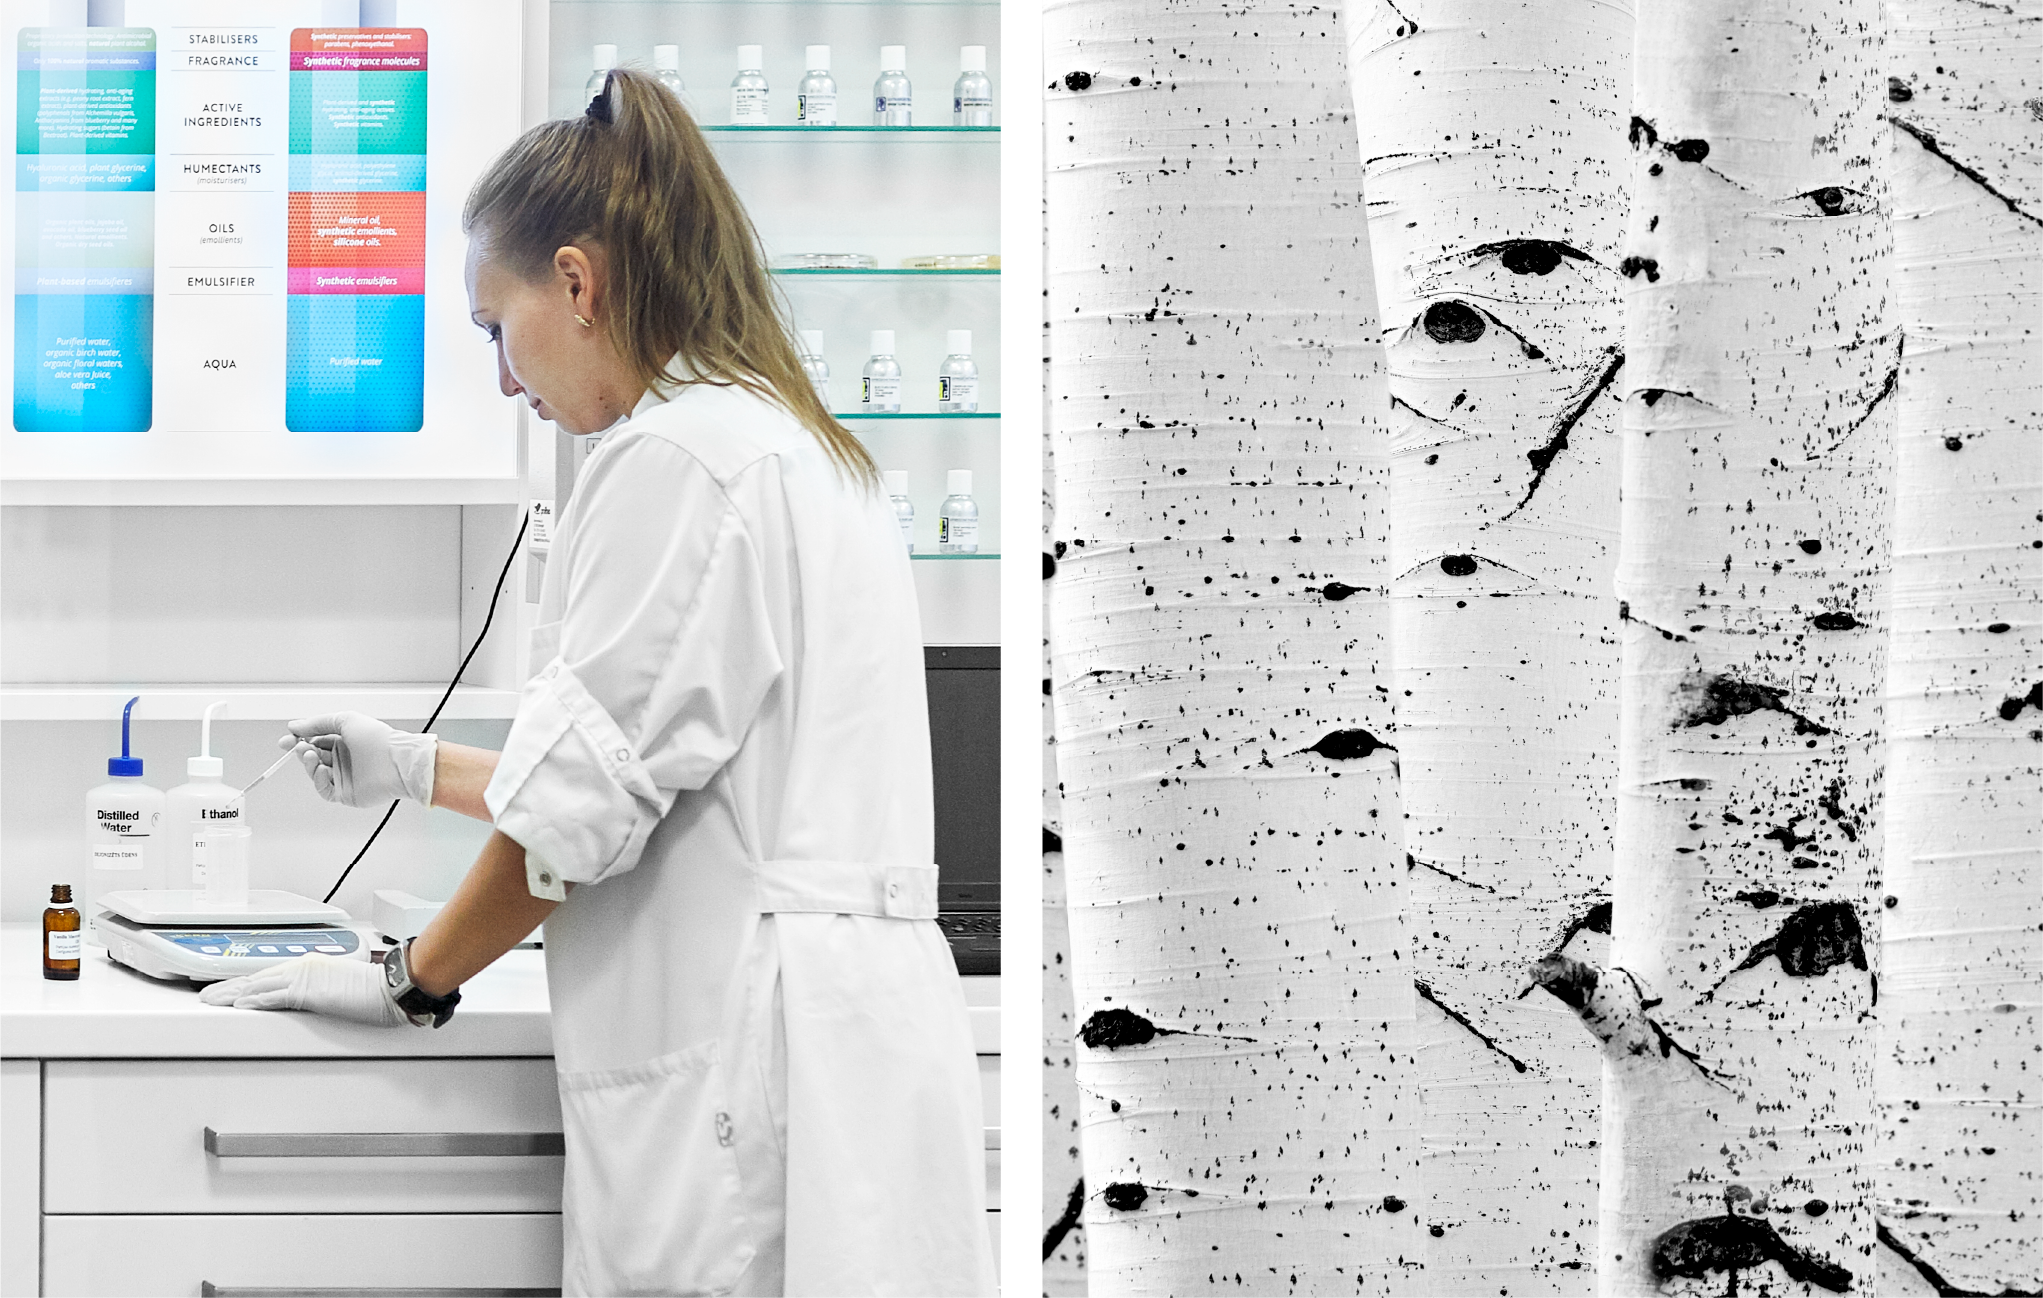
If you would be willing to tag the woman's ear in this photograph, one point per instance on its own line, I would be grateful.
(578, 276)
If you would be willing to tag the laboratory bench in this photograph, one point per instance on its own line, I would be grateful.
(156, 1145)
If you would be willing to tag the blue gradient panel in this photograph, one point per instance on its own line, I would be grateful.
(355, 363)
(82, 362)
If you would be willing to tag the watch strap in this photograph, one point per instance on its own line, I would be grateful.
(417, 1006)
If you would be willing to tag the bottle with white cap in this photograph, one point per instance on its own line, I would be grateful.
(814, 365)
(972, 96)
(202, 802)
(957, 379)
(748, 88)
(904, 509)
(816, 97)
(667, 70)
(606, 59)
(957, 524)
(893, 97)
(881, 391)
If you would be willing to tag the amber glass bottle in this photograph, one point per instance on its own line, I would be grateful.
(60, 934)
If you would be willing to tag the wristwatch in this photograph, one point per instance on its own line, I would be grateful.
(417, 1006)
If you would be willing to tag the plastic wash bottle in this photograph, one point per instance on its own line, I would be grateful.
(122, 818)
(202, 802)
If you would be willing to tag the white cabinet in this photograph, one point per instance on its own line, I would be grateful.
(21, 1126)
(269, 1254)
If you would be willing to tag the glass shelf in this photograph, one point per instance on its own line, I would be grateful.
(774, 129)
(959, 414)
(945, 558)
(899, 271)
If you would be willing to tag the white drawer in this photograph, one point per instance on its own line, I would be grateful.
(117, 1257)
(129, 1135)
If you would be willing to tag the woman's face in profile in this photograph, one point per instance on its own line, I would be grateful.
(543, 353)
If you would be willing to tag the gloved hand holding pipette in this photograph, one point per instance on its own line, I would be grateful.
(358, 761)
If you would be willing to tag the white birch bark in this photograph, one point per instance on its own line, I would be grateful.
(1493, 138)
(1760, 358)
(1958, 1077)
(1223, 718)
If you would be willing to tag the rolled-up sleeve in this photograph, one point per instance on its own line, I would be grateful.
(667, 652)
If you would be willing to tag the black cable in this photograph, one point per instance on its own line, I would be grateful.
(488, 617)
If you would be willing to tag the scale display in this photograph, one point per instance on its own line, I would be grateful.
(237, 244)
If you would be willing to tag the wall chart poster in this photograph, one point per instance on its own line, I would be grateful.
(237, 240)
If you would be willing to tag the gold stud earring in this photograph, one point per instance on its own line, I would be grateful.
(584, 323)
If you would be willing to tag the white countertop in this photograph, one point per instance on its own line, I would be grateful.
(112, 1012)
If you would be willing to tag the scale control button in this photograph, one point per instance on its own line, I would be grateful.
(267, 950)
(295, 950)
(341, 950)
(210, 950)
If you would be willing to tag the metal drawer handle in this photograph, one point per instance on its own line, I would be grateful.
(211, 1290)
(383, 1144)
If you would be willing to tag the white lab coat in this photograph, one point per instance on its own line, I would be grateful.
(766, 1070)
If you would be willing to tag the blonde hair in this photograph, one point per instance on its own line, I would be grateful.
(635, 176)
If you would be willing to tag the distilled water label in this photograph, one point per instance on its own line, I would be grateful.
(119, 855)
(816, 110)
(748, 106)
(957, 392)
(881, 394)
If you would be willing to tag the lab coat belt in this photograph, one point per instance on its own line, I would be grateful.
(847, 888)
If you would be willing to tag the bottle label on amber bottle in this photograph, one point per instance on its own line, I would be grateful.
(63, 946)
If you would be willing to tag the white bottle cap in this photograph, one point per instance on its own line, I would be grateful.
(883, 342)
(972, 58)
(818, 58)
(751, 57)
(667, 58)
(812, 342)
(204, 768)
(897, 481)
(606, 57)
(893, 58)
(957, 342)
(958, 483)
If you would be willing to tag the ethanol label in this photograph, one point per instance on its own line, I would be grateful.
(881, 394)
(64, 946)
(958, 393)
(748, 106)
(816, 110)
(198, 860)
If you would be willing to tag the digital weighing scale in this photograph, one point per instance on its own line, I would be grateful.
(177, 933)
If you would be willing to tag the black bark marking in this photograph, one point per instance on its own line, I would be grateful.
(1832, 803)
(1759, 898)
(1530, 256)
(1346, 745)
(1458, 565)
(1573, 982)
(1642, 130)
(1898, 91)
(1689, 150)
(1786, 836)
(1074, 1206)
(1596, 919)
(1411, 861)
(1542, 457)
(1631, 267)
(2010, 708)
(1998, 628)
(1829, 200)
(1816, 1207)
(1406, 27)
(1052, 840)
(1813, 939)
(1651, 396)
(1391, 1203)
(1115, 1028)
(1125, 1196)
(1452, 322)
(1834, 621)
(1713, 700)
(1532, 352)
(1336, 591)
(1929, 142)
(1078, 81)
(1811, 546)
(1944, 1288)
(1624, 614)
(1954, 443)
(1887, 387)
(1426, 991)
(1731, 1244)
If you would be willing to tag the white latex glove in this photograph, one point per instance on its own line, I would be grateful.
(346, 989)
(358, 761)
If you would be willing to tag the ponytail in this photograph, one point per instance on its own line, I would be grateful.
(686, 275)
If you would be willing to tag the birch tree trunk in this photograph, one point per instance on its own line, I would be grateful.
(1761, 362)
(1493, 138)
(1223, 714)
(1961, 1140)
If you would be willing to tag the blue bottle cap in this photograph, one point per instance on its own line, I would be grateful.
(124, 764)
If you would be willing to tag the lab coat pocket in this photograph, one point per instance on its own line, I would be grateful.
(651, 1195)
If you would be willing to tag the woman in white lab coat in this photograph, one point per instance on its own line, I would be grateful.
(721, 763)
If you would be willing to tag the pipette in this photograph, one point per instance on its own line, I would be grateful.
(275, 766)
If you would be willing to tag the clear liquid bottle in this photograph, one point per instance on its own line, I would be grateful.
(667, 71)
(957, 525)
(122, 818)
(814, 365)
(748, 88)
(893, 97)
(972, 96)
(904, 508)
(816, 97)
(202, 802)
(957, 380)
(606, 59)
(880, 393)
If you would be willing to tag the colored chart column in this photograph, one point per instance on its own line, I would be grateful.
(85, 196)
(355, 353)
